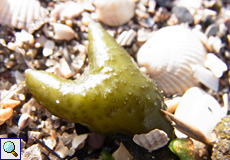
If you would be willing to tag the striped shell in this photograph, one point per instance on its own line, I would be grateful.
(152, 140)
(114, 12)
(22, 14)
(168, 56)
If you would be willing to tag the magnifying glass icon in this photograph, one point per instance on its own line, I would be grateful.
(9, 147)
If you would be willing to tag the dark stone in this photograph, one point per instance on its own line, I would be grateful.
(183, 14)
(164, 3)
(212, 29)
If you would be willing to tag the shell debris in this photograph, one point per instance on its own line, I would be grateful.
(199, 109)
(151, 141)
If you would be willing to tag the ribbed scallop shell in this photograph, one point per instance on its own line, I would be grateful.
(168, 56)
(22, 14)
(114, 12)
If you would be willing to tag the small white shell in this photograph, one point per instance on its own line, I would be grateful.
(22, 14)
(153, 140)
(114, 12)
(168, 56)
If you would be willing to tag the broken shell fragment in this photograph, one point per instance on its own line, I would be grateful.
(62, 32)
(122, 153)
(67, 10)
(206, 77)
(200, 110)
(153, 140)
(126, 37)
(22, 14)
(216, 65)
(114, 12)
(79, 141)
(172, 104)
(168, 56)
(61, 150)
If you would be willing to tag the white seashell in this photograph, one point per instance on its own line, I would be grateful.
(216, 65)
(200, 110)
(153, 140)
(62, 32)
(206, 77)
(22, 14)
(114, 12)
(67, 10)
(168, 55)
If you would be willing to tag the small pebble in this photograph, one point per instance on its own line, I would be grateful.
(212, 30)
(5, 114)
(35, 152)
(183, 14)
(64, 70)
(48, 48)
(24, 120)
(61, 150)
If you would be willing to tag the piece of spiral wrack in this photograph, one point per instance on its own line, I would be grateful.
(111, 96)
(176, 60)
(190, 130)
